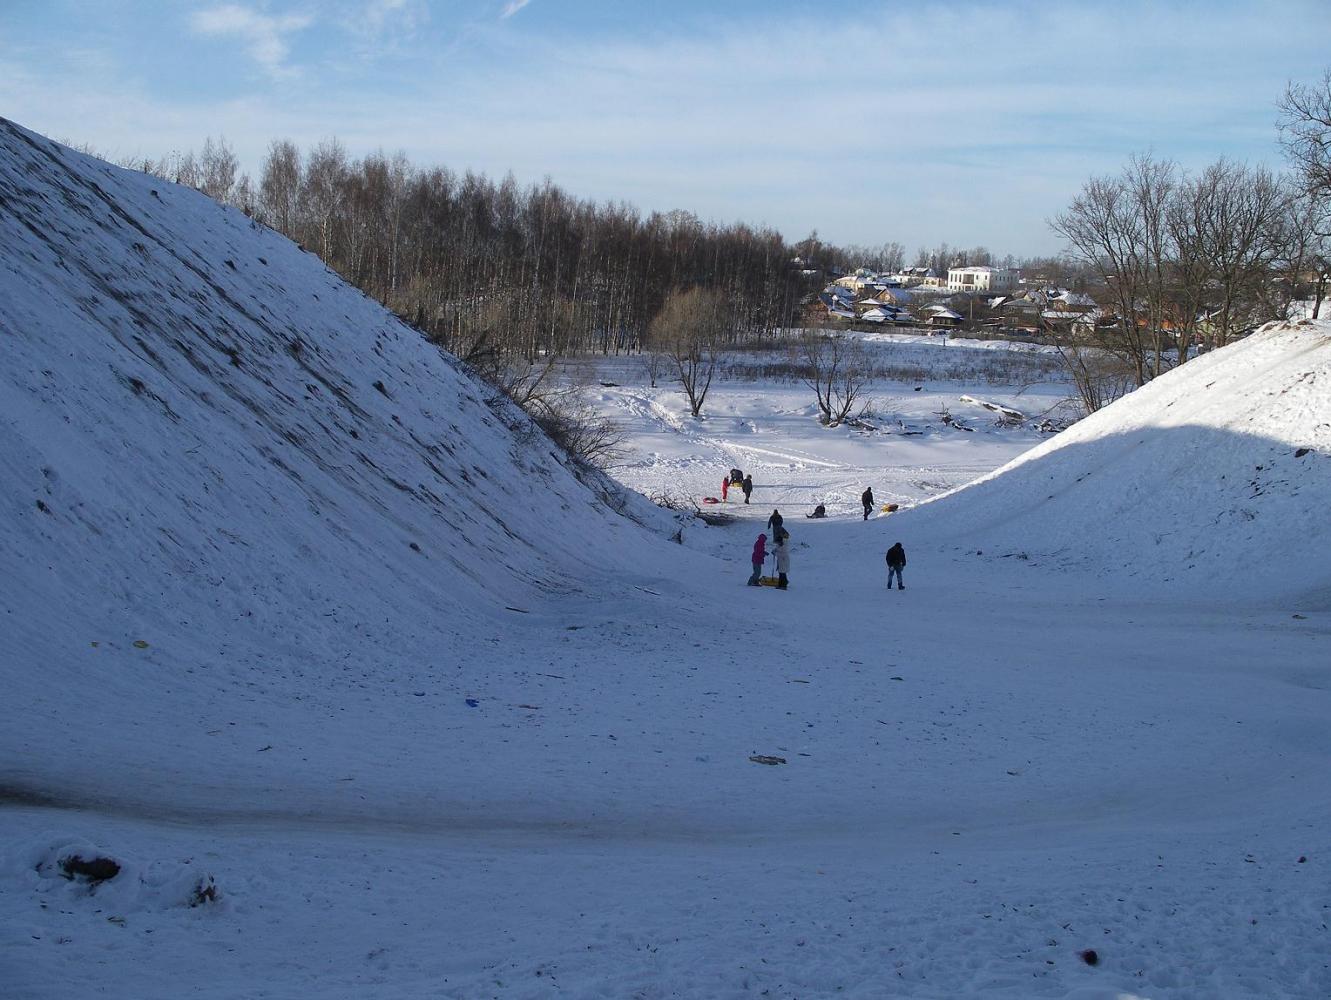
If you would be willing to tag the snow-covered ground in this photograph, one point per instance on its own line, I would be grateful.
(903, 448)
(516, 759)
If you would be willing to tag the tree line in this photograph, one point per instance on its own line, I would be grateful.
(495, 270)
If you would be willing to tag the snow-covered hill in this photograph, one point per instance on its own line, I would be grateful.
(1214, 478)
(194, 413)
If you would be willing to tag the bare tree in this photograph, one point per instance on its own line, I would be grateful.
(1244, 236)
(1305, 132)
(1099, 376)
(1118, 227)
(245, 197)
(279, 187)
(217, 170)
(184, 169)
(835, 367)
(689, 330)
(324, 193)
(577, 427)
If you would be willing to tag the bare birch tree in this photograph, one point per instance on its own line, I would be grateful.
(689, 330)
(279, 186)
(218, 167)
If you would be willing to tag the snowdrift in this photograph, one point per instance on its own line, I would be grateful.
(1213, 479)
(206, 432)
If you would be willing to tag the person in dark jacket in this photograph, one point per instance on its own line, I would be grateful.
(774, 525)
(759, 556)
(866, 498)
(896, 562)
(819, 511)
(747, 486)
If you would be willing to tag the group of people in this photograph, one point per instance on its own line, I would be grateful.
(780, 537)
(737, 478)
(780, 550)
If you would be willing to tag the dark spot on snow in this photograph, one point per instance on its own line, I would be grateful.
(43, 508)
(380, 387)
(16, 795)
(1301, 452)
(205, 891)
(1089, 956)
(94, 870)
(413, 546)
(137, 385)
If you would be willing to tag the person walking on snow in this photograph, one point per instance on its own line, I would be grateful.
(725, 488)
(896, 562)
(747, 486)
(866, 498)
(782, 561)
(759, 556)
(774, 524)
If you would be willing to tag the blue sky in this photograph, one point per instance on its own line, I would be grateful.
(915, 122)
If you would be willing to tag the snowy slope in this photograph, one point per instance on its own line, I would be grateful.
(175, 373)
(212, 444)
(1214, 478)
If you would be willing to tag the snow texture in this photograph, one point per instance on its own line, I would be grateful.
(368, 695)
(1211, 479)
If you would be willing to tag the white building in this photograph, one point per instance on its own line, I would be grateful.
(982, 279)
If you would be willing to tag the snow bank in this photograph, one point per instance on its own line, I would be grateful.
(49, 868)
(1213, 478)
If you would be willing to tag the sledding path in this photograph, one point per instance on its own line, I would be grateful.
(771, 432)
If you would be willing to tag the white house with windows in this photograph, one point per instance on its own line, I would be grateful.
(982, 279)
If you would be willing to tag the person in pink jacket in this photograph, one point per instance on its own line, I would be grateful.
(759, 556)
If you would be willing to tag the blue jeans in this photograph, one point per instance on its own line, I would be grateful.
(897, 571)
(757, 572)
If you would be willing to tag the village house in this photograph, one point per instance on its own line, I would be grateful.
(941, 316)
(909, 277)
(982, 279)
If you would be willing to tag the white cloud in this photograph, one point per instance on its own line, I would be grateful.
(512, 7)
(751, 122)
(377, 15)
(264, 36)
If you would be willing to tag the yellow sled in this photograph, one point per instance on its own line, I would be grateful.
(890, 508)
(768, 581)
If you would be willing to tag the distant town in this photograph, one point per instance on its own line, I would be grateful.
(996, 299)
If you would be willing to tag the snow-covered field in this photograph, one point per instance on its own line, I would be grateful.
(514, 760)
(904, 448)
